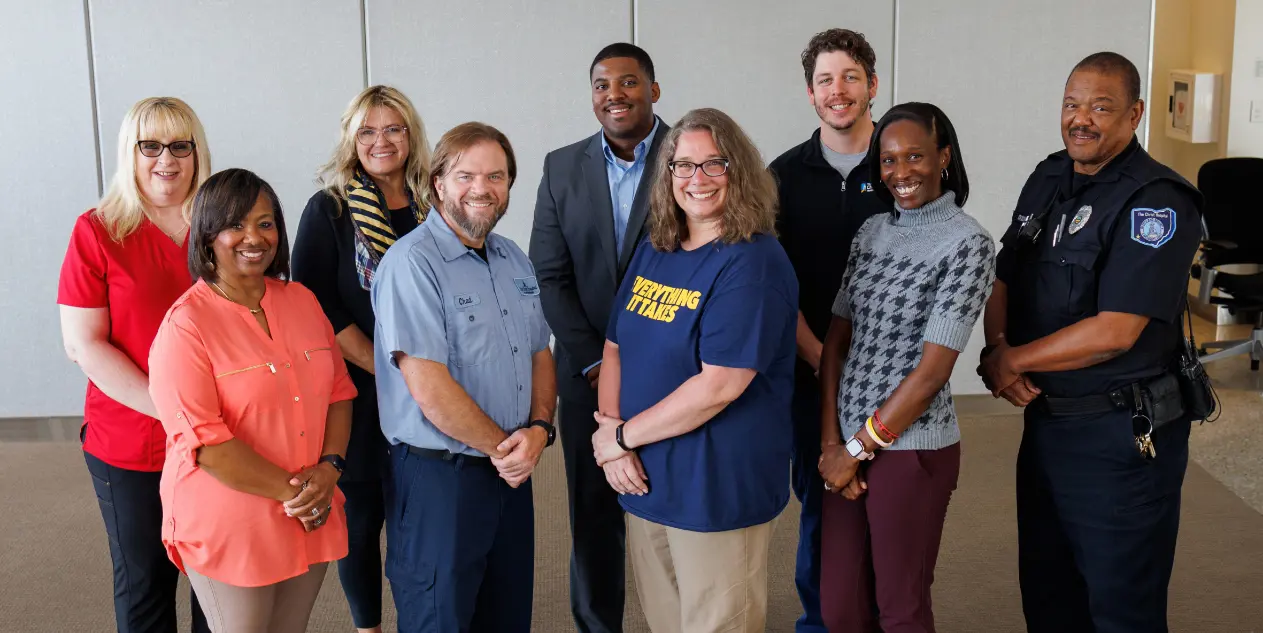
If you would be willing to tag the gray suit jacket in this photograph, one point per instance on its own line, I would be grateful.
(573, 250)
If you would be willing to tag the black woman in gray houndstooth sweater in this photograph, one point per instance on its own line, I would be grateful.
(915, 285)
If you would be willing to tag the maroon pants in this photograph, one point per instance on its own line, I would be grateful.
(878, 553)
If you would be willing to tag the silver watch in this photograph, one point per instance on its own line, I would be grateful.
(856, 448)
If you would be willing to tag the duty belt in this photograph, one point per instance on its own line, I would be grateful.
(1118, 399)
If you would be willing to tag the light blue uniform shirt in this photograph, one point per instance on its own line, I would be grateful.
(624, 179)
(437, 300)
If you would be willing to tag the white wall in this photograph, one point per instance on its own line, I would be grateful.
(270, 80)
(759, 81)
(1245, 138)
(50, 167)
(998, 70)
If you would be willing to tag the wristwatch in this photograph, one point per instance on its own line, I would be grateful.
(552, 430)
(856, 448)
(334, 460)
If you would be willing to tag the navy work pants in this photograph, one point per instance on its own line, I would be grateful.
(1097, 522)
(809, 489)
(460, 546)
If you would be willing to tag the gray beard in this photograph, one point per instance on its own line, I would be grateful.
(473, 228)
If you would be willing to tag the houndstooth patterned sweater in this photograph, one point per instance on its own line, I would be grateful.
(913, 277)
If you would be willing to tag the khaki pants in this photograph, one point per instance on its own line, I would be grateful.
(700, 582)
(283, 607)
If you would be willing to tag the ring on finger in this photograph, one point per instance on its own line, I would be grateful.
(828, 487)
(315, 512)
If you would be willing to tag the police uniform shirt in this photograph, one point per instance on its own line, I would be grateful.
(1111, 254)
(437, 300)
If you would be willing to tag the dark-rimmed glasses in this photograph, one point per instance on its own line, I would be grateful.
(153, 149)
(714, 168)
(368, 135)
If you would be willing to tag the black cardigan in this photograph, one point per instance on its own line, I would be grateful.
(323, 260)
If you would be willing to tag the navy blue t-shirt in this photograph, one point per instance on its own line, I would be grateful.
(730, 305)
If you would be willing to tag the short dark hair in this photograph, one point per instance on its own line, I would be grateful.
(845, 40)
(623, 49)
(1108, 63)
(461, 138)
(934, 121)
(225, 199)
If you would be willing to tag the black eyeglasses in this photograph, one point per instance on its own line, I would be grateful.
(714, 168)
(153, 149)
(368, 135)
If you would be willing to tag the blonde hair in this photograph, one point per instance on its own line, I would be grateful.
(123, 207)
(335, 175)
(750, 204)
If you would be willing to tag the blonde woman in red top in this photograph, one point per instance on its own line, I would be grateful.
(124, 267)
(254, 395)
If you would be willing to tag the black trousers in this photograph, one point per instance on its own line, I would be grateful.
(598, 574)
(144, 578)
(360, 572)
(1097, 523)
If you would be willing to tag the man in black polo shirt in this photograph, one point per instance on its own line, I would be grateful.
(825, 197)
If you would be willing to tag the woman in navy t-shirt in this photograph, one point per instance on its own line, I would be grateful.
(700, 363)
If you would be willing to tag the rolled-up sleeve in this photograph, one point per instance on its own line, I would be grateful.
(182, 386)
(409, 309)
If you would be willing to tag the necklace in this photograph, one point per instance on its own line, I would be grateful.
(221, 291)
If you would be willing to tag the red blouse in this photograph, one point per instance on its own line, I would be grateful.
(137, 280)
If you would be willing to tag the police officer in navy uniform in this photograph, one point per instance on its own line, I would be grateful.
(1084, 326)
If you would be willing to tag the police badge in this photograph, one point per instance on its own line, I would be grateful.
(1080, 218)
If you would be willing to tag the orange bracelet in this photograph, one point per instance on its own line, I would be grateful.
(882, 427)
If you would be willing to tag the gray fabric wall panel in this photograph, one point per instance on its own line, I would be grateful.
(998, 69)
(744, 59)
(269, 80)
(520, 66)
(49, 162)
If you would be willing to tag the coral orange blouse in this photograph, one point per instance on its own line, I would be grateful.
(214, 375)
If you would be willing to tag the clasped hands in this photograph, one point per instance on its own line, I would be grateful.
(314, 501)
(995, 366)
(516, 457)
(841, 472)
(623, 470)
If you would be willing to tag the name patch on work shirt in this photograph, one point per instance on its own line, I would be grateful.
(1152, 227)
(463, 302)
(526, 286)
(659, 302)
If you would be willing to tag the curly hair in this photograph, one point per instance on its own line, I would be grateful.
(845, 40)
(751, 200)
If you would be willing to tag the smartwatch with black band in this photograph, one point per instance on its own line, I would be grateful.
(552, 430)
(334, 460)
(618, 438)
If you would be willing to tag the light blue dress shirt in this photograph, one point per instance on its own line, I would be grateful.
(624, 178)
(437, 300)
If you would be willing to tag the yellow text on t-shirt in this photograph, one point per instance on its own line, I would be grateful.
(659, 302)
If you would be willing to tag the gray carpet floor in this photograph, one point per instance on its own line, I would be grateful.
(55, 570)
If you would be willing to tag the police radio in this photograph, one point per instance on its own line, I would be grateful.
(1200, 399)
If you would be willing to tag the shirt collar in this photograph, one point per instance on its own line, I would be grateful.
(642, 148)
(450, 246)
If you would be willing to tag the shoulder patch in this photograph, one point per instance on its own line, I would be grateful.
(1152, 227)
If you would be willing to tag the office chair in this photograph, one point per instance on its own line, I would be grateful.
(1232, 223)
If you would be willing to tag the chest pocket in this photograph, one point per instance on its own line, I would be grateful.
(1068, 283)
(474, 328)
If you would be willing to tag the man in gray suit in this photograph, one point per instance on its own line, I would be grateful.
(590, 216)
